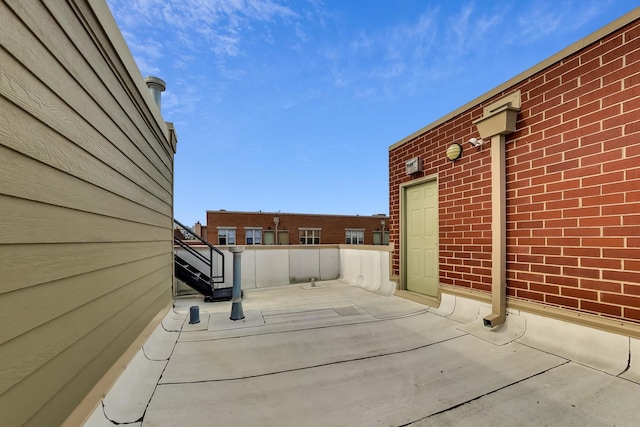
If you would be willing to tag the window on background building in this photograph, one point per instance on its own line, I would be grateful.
(226, 236)
(253, 236)
(309, 236)
(269, 237)
(380, 239)
(283, 237)
(354, 236)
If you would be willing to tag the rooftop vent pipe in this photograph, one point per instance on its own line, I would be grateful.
(156, 86)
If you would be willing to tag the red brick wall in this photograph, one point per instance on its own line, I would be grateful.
(333, 226)
(573, 186)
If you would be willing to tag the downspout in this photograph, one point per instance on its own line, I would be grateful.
(498, 233)
(498, 120)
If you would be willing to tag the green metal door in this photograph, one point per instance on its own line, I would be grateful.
(422, 238)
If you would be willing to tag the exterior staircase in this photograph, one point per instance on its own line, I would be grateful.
(199, 264)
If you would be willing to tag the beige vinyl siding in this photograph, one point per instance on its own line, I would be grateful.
(86, 205)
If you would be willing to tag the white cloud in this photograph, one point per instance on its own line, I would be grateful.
(388, 71)
(362, 42)
(181, 98)
(539, 22)
(379, 63)
(586, 12)
(219, 25)
(542, 19)
(200, 34)
(300, 33)
(470, 28)
(370, 63)
(460, 30)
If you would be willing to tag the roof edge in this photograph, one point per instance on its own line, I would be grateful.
(380, 215)
(110, 27)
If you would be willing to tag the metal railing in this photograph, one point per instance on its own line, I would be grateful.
(182, 233)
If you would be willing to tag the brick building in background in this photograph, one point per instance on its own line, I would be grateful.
(571, 205)
(269, 228)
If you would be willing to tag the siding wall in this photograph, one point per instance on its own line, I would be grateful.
(86, 204)
(573, 182)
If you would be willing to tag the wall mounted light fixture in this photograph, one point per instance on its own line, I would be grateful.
(476, 142)
(454, 152)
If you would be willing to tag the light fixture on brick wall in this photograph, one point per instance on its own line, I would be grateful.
(476, 142)
(454, 152)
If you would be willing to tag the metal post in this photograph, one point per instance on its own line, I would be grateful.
(211, 268)
(236, 294)
(276, 221)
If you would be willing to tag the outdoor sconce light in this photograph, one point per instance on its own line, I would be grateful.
(476, 142)
(454, 152)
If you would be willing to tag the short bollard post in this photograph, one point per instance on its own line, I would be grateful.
(236, 294)
(194, 314)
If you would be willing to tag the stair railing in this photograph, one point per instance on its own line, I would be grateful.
(188, 234)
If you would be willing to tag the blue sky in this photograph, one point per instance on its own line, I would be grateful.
(283, 105)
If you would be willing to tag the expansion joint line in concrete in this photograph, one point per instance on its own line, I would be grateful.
(586, 365)
(141, 418)
(375, 319)
(486, 394)
(399, 316)
(320, 365)
(144, 353)
(628, 360)
(116, 423)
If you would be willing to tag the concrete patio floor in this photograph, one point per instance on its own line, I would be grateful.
(337, 355)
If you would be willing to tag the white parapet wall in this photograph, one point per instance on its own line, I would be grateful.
(613, 353)
(367, 267)
(266, 266)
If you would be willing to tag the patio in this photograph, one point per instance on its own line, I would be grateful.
(337, 355)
